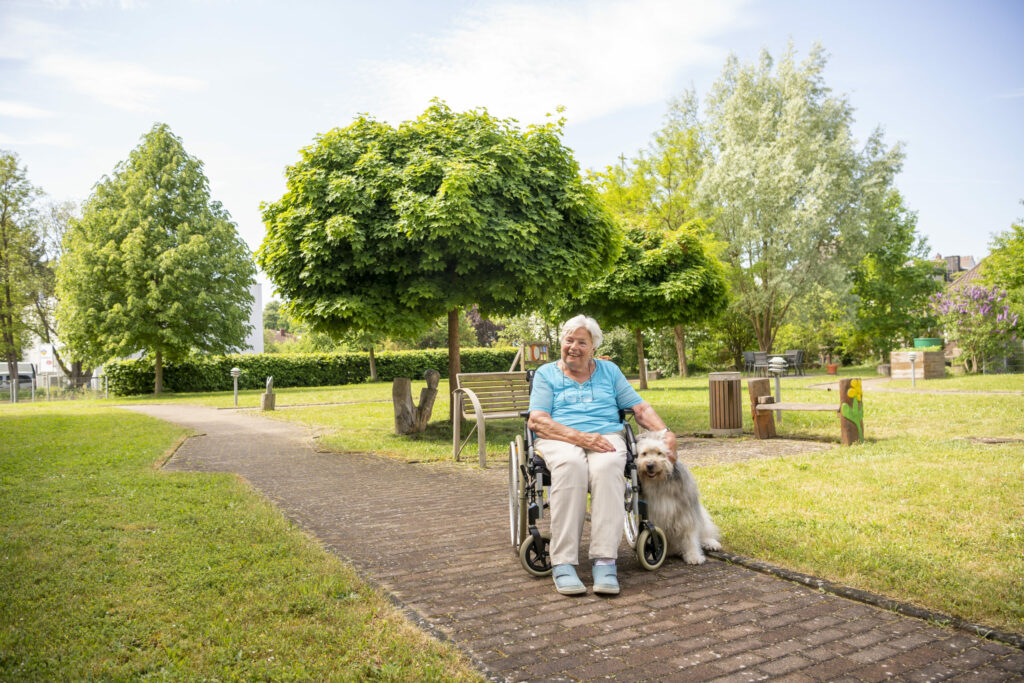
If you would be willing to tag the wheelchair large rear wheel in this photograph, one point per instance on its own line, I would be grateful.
(516, 493)
(537, 562)
(651, 548)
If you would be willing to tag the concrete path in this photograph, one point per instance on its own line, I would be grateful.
(436, 538)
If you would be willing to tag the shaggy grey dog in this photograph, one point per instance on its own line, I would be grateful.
(673, 502)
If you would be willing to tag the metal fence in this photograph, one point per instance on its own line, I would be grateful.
(56, 388)
(1013, 361)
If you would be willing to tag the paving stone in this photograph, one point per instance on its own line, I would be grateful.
(458, 575)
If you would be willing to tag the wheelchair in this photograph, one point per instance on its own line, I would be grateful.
(528, 490)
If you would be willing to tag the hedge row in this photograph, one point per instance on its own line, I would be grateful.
(213, 373)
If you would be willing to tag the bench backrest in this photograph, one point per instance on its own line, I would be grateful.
(498, 392)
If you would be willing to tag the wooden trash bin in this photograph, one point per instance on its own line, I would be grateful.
(726, 403)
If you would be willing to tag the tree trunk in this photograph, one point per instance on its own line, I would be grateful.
(454, 360)
(159, 382)
(680, 333)
(373, 366)
(640, 359)
(410, 418)
(12, 374)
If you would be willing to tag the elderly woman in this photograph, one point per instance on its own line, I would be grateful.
(574, 412)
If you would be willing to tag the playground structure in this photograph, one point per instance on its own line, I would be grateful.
(850, 409)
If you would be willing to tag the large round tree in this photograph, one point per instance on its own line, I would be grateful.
(662, 278)
(385, 229)
(154, 264)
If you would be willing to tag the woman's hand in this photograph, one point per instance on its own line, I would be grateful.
(648, 419)
(546, 428)
(594, 442)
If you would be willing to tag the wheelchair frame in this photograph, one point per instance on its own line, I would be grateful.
(528, 484)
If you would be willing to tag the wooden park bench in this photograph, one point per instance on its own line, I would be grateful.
(850, 409)
(491, 396)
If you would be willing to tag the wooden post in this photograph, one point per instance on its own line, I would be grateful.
(851, 411)
(410, 418)
(764, 421)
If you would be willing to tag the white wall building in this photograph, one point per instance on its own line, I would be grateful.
(254, 342)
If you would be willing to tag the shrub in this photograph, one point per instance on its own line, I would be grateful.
(213, 373)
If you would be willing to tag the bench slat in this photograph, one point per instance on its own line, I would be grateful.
(824, 408)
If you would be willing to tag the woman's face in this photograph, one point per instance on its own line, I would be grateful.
(577, 349)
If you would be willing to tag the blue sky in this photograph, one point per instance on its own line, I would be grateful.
(246, 84)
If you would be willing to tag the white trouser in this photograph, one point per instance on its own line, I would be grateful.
(574, 471)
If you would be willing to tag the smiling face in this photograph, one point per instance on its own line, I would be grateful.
(577, 350)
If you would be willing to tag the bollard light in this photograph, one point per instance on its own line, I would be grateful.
(235, 372)
(913, 372)
(777, 366)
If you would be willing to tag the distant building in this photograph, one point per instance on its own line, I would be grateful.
(254, 342)
(280, 337)
(956, 265)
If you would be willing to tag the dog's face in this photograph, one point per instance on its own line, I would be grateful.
(652, 456)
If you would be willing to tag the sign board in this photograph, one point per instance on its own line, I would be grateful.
(46, 364)
(536, 352)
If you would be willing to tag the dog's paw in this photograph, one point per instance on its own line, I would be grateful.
(711, 544)
(694, 558)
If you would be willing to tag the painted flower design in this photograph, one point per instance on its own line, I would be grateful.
(854, 411)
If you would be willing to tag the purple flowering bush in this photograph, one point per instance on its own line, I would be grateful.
(978, 319)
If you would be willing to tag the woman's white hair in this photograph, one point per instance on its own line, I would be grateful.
(587, 323)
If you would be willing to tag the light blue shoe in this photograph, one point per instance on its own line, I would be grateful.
(605, 579)
(566, 581)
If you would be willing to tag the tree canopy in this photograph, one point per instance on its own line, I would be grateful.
(893, 281)
(384, 229)
(787, 183)
(1004, 267)
(657, 191)
(662, 278)
(19, 249)
(154, 264)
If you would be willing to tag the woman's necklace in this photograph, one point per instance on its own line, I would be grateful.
(591, 367)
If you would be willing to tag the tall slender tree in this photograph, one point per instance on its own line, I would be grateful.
(658, 189)
(154, 264)
(19, 244)
(787, 182)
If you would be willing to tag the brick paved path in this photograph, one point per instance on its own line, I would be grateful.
(436, 538)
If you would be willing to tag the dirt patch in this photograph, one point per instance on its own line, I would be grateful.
(720, 450)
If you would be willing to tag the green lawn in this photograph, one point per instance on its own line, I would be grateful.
(113, 570)
(919, 512)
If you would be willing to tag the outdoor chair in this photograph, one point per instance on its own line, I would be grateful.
(795, 361)
(748, 362)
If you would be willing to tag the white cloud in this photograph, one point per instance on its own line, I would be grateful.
(45, 140)
(1011, 95)
(20, 110)
(22, 38)
(524, 60)
(123, 85)
(94, 4)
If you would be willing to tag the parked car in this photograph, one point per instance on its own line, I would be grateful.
(24, 382)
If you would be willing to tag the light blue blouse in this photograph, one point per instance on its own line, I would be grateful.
(591, 406)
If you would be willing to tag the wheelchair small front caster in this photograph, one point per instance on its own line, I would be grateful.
(537, 562)
(651, 547)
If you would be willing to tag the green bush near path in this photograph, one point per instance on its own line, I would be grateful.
(111, 569)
